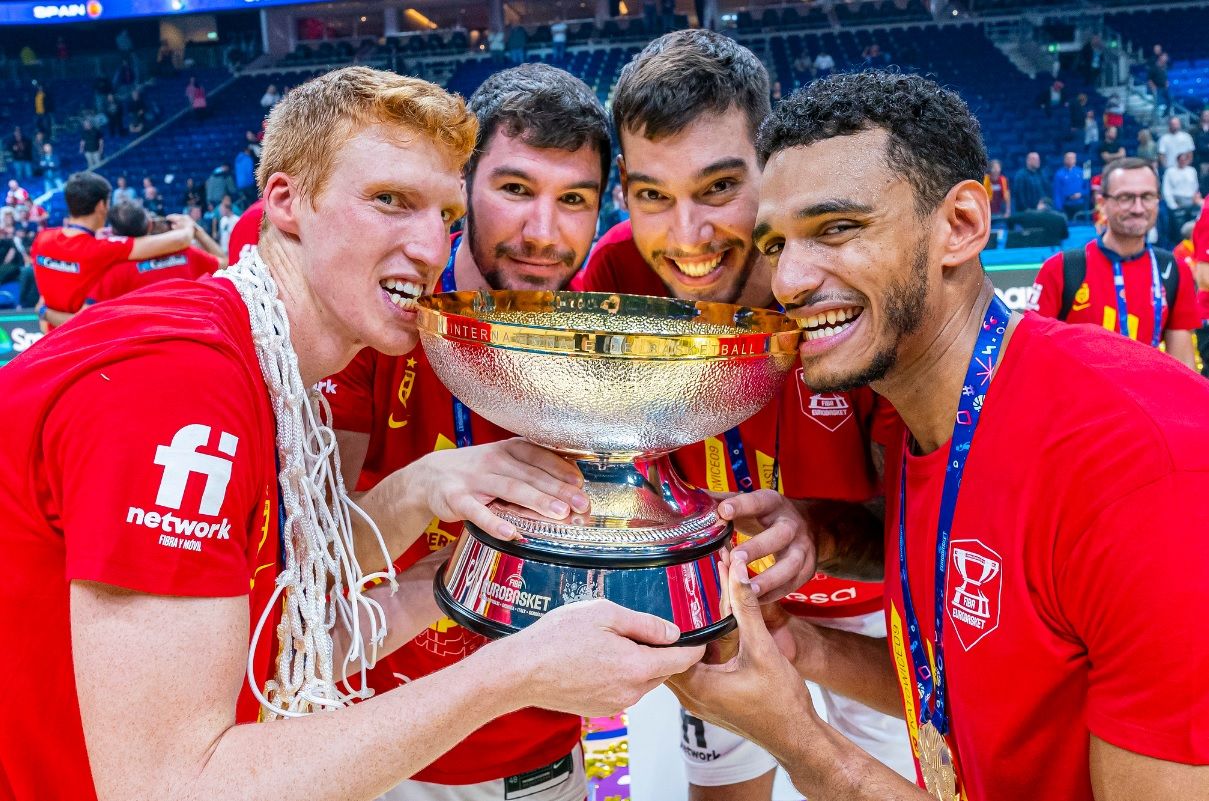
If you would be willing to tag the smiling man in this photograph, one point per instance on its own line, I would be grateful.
(174, 495)
(534, 184)
(1043, 507)
(686, 110)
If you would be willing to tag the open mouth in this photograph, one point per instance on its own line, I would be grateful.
(697, 267)
(402, 293)
(829, 323)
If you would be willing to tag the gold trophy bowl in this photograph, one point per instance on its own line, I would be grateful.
(616, 382)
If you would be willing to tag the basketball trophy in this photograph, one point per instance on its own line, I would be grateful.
(616, 382)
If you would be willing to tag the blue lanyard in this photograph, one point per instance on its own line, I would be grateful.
(1157, 294)
(83, 228)
(969, 409)
(463, 434)
(738, 455)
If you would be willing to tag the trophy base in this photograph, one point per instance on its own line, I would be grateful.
(496, 588)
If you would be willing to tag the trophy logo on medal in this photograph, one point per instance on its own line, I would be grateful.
(616, 382)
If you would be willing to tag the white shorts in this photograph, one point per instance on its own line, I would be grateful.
(714, 756)
(562, 780)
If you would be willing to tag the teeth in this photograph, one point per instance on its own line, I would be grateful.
(698, 269)
(403, 287)
(404, 303)
(828, 318)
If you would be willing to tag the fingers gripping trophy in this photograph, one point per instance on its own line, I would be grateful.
(616, 382)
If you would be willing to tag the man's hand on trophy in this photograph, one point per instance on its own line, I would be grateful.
(594, 658)
(459, 483)
(777, 529)
(757, 676)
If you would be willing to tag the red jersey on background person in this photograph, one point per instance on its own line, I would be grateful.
(996, 185)
(1198, 262)
(1023, 649)
(246, 232)
(131, 220)
(68, 261)
(534, 186)
(1137, 303)
(685, 112)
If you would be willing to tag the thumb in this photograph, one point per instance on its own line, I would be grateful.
(643, 627)
(754, 637)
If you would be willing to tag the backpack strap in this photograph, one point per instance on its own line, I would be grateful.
(1074, 270)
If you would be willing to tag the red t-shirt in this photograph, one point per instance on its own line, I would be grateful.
(1200, 252)
(191, 263)
(832, 429)
(1096, 299)
(408, 413)
(1079, 543)
(139, 452)
(66, 267)
(245, 232)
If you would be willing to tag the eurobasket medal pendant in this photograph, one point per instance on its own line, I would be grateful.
(935, 759)
(936, 764)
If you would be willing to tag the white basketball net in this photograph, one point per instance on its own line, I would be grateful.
(321, 581)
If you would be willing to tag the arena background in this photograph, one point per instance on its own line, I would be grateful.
(1003, 56)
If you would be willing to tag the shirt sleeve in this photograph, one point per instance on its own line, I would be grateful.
(350, 393)
(1185, 316)
(201, 263)
(113, 250)
(1047, 289)
(1134, 588)
(157, 470)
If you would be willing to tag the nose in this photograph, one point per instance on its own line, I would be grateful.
(540, 230)
(691, 227)
(798, 275)
(427, 245)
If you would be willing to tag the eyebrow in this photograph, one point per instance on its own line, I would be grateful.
(513, 172)
(833, 207)
(721, 165)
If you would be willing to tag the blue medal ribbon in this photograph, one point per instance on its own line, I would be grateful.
(463, 434)
(1157, 294)
(931, 686)
(83, 228)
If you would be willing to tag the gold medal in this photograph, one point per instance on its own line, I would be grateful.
(936, 764)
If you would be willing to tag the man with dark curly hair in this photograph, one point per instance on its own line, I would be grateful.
(1046, 578)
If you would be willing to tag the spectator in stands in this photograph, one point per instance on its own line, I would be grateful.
(1092, 59)
(17, 196)
(122, 193)
(1052, 97)
(1157, 82)
(245, 175)
(28, 57)
(220, 184)
(1182, 190)
(1078, 112)
(1030, 184)
(803, 69)
(518, 39)
(251, 140)
(12, 259)
(824, 64)
(1173, 143)
(996, 184)
(874, 57)
(1200, 140)
(193, 195)
(123, 41)
(1114, 111)
(558, 39)
(224, 221)
(196, 95)
(21, 154)
(270, 97)
(496, 47)
(1147, 149)
(1111, 147)
(52, 170)
(136, 105)
(44, 109)
(1091, 131)
(126, 76)
(1070, 188)
(774, 92)
(152, 201)
(92, 144)
(113, 114)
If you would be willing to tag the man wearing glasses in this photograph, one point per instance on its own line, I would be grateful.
(1117, 280)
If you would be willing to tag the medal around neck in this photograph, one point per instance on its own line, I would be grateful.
(616, 382)
(936, 764)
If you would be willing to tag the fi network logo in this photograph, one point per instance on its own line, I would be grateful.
(181, 459)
